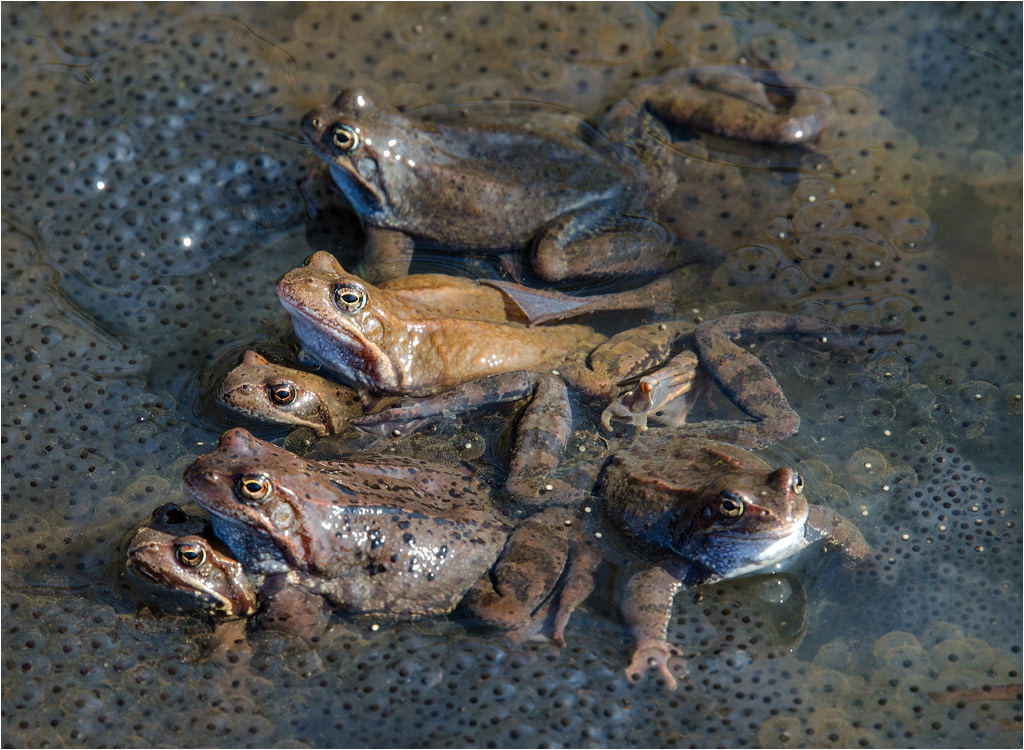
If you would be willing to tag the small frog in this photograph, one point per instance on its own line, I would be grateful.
(698, 511)
(385, 535)
(581, 201)
(268, 392)
(178, 556)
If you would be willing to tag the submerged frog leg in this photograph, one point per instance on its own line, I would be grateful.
(386, 255)
(404, 419)
(646, 607)
(230, 646)
(534, 557)
(738, 102)
(584, 560)
(663, 395)
(541, 436)
(598, 242)
(292, 609)
(824, 523)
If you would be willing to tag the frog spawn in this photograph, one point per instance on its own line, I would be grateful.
(76, 669)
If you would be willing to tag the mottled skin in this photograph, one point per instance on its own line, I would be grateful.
(572, 196)
(698, 511)
(268, 392)
(389, 535)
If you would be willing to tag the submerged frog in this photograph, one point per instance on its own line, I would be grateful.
(177, 556)
(391, 346)
(581, 197)
(388, 535)
(698, 511)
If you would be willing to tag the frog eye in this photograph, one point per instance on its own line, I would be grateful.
(796, 484)
(190, 554)
(253, 487)
(730, 505)
(282, 393)
(346, 138)
(348, 298)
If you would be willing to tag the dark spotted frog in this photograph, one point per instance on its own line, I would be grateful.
(376, 535)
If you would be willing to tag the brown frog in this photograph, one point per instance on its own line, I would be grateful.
(580, 196)
(269, 392)
(386, 535)
(177, 556)
(551, 182)
(696, 511)
(391, 346)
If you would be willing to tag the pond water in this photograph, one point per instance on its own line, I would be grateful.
(154, 186)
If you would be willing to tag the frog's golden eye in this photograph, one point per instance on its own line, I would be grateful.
(797, 484)
(348, 298)
(253, 487)
(282, 393)
(345, 138)
(190, 554)
(730, 505)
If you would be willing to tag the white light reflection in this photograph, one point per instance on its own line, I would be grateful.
(101, 185)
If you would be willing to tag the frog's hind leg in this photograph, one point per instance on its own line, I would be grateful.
(541, 436)
(588, 244)
(747, 381)
(534, 557)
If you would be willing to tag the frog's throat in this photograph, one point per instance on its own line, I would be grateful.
(367, 199)
(342, 350)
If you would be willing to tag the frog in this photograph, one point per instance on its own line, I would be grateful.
(580, 194)
(692, 511)
(176, 554)
(269, 392)
(393, 347)
(554, 183)
(382, 535)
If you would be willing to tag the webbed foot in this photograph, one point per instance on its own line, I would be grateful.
(652, 655)
(659, 395)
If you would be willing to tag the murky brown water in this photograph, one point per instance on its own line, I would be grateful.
(128, 128)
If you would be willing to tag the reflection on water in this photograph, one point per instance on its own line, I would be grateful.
(154, 186)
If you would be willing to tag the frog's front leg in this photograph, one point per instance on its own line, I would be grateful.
(598, 242)
(387, 254)
(667, 395)
(292, 609)
(407, 418)
(825, 524)
(646, 607)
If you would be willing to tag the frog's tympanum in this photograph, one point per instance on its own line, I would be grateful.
(580, 196)
(374, 534)
(268, 392)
